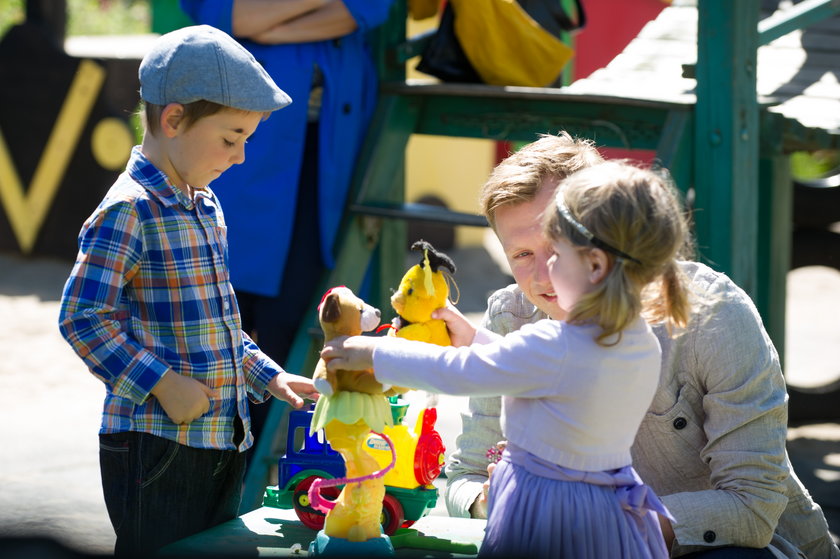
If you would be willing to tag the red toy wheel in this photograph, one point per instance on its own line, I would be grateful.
(392, 514)
(428, 458)
(429, 454)
(310, 517)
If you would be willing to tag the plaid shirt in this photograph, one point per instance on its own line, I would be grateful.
(150, 293)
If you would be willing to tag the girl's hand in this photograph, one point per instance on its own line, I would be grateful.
(461, 332)
(354, 353)
(292, 388)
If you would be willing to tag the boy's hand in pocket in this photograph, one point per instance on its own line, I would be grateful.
(182, 398)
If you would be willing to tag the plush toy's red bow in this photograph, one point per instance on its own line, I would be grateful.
(326, 294)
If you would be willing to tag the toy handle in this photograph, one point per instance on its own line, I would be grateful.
(325, 505)
(315, 500)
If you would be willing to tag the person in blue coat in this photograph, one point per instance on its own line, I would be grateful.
(285, 203)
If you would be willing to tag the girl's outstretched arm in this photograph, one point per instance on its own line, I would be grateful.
(353, 353)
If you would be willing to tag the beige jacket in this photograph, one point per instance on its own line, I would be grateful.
(713, 442)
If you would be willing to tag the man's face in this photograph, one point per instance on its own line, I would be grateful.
(518, 227)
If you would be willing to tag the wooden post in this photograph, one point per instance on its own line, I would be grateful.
(775, 239)
(726, 138)
(390, 138)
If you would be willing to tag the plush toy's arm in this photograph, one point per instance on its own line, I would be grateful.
(419, 331)
(432, 331)
(360, 381)
(396, 390)
(324, 380)
(439, 333)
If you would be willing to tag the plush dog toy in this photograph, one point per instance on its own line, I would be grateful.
(352, 404)
(422, 290)
(342, 313)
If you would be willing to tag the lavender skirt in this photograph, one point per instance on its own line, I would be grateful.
(539, 509)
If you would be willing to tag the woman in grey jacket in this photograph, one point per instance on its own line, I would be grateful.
(712, 444)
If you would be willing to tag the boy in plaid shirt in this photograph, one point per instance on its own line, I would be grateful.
(149, 307)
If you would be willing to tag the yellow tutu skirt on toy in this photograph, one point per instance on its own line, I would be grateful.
(350, 407)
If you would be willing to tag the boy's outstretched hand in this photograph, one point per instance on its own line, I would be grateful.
(292, 388)
(354, 353)
(182, 398)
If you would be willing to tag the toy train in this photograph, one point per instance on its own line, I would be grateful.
(409, 493)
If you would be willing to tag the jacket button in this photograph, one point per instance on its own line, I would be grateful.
(680, 423)
(709, 536)
(346, 108)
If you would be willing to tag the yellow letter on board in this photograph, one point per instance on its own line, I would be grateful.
(26, 211)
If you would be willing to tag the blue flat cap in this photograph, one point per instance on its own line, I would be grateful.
(202, 62)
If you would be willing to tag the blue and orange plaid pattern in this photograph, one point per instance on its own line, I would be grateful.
(149, 293)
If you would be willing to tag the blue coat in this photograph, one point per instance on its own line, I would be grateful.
(259, 196)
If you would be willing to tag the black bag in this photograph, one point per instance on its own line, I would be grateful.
(552, 17)
(444, 58)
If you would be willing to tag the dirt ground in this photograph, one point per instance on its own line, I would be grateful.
(50, 404)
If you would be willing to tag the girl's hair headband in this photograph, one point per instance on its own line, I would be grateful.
(560, 202)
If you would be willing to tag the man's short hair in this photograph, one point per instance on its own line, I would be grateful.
(518, 177)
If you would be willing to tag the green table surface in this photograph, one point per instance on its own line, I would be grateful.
(272, 532)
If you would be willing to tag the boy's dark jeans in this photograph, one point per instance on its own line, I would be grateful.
(158, 491)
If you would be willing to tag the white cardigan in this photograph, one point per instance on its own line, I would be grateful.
(565, 398)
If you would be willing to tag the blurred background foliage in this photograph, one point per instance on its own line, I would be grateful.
(11, 13)
(806, 165)
(89, 17)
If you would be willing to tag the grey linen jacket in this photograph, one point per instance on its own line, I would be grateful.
(712, 444)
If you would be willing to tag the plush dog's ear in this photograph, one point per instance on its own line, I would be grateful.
(331, 308)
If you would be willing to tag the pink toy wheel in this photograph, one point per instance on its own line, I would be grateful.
(310, 517)
(392, 514)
